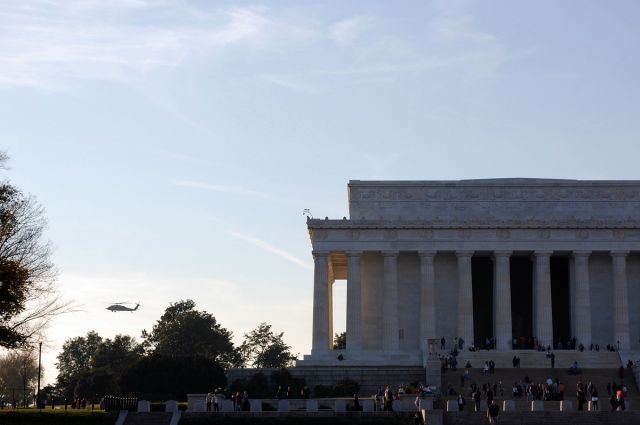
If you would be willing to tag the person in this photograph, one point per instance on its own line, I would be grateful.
(581, 399)
(492, 412)
(613, 402)
(461, 403)
(279, 393)
(388, 399)
(476, 399)
(442, 343)
(209, 401)
(620, 399)
(218, 397)
(236, 401)
(553, 360)
(594, 398)
(245, 405)
(356, 402)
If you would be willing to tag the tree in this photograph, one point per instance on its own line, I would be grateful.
(75, 362)
(264, 348)
(340, 341)
(28, 299)
(164, 378)
(183, 331)
(92, 365)
(18, 374)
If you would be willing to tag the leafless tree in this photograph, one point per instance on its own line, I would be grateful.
(19, 373)
(28, 297)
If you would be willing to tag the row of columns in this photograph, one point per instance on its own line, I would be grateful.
(542, 306)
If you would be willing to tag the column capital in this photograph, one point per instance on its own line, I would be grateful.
(619, 253)
(464, 253)
(320, 253)
(390, 253)
(581, 253)
(502, 253)
(542, 253)
(428, 254)
(353, 253)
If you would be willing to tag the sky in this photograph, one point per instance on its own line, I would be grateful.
(175, 144)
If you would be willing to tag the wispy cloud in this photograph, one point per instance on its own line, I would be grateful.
(52, 45)
(272, 249)
(346, 31)
(292, 83)
(221, 188)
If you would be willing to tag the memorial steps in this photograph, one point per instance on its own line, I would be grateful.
(599, 377)
(538, 359)
(148, 418)
(546, 418)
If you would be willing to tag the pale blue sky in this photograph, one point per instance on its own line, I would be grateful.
(175, 144)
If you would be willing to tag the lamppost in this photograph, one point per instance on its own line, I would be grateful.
(39, 368)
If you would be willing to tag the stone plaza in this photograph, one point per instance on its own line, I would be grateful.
(500, 260)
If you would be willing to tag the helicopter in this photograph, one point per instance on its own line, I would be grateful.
(115, 307)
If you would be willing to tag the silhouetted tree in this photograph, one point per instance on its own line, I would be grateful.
(340, 341)
(264, 348)
(92, 365)
(163, 378)
(183, 331)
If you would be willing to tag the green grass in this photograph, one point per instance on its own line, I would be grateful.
(55, 417)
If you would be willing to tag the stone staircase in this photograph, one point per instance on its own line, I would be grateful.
(546, 418)
(148, 418)
(598, 376)
(538, 359)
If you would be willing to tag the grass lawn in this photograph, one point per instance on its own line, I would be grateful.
(55, 417)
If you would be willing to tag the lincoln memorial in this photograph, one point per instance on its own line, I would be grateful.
(505, 260)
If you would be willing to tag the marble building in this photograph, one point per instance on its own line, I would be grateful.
(477, 259)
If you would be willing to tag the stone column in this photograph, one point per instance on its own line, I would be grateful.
(542, 311)
(321, 337)
(427, 298)
(620, 299)
(465, 297)
(354, 302)
(390, 326)
(582, 298)
(502, 301)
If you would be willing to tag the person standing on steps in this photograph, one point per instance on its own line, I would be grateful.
(492, 412)
(594, 398)
(476, 399)
(461, 403)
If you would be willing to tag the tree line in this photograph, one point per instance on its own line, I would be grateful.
(186, 349)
